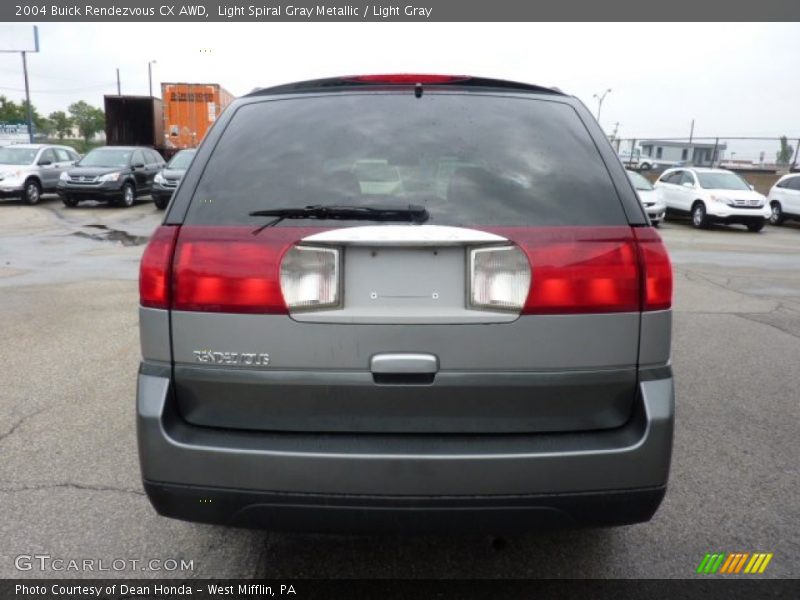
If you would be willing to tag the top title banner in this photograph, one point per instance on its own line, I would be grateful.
(401, 10)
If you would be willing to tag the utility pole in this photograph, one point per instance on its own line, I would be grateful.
(119, 88)
(27, 97)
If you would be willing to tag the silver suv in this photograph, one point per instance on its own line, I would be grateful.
(28, 170)
(406, 302)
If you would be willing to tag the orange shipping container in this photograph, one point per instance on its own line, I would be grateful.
(189, 110)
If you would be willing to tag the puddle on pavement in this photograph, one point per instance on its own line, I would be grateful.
(108, 234)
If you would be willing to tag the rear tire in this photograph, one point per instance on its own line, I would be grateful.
(128, 196)
(32, 192)
(656, 223)
(699, 216)
(645, 167)
(756, 226)
(160, 202)
(69, 201)
(776, 217)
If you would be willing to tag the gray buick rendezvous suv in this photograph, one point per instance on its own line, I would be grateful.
(406, 302)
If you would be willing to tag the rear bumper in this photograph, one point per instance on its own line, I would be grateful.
(349, 482)
(367, 514)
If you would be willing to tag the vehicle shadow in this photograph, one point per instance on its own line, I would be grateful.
(686, 222)
(563, 553)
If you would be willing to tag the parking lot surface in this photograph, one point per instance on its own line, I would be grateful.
(69, 478)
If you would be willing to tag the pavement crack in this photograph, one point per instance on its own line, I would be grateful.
(20, 422)
(68, 485)
(752, 318)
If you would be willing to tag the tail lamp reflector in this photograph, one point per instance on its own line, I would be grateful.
(499, 278)
(310, 278)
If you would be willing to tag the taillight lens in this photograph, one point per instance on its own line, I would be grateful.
(154, 270)
(579, 269)
(228, 269)
(657, 276)
(499, 278)
(310, 278)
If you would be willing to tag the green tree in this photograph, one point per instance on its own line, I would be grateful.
(44, 126)
(11, 111)
(786, 152)
(88, 119)
(62, 124)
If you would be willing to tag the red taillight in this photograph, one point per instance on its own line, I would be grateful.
(154, 270)
(579, 269)
(407, 78)
(594, 269)
(228, 269)
(657, 278)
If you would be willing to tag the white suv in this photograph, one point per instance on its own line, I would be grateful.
(713, 196)
(784, 199)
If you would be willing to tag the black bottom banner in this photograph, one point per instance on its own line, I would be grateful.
(578, 589)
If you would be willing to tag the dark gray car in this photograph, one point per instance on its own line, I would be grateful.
(166, 181)
(117, 174)
(406, 303)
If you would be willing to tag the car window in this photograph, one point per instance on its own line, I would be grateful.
(722, 181)
(17, 156)
(62, 155)
(687, 177)
(794, 183)
(138, 158)
(74, 155)
(155, 157)
(673, 177)
(639, 181)
(181, 160)
(48, 156)
(106, 157)
(468, 159)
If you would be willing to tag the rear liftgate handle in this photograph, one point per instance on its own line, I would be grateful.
(404, 368)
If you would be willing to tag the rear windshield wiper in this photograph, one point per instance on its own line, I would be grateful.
(412, 214)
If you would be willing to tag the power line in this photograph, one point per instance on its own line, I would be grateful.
(92, 88)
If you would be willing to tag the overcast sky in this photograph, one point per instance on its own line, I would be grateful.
(734, 79)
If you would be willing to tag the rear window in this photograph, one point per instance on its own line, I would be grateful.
(469, 159)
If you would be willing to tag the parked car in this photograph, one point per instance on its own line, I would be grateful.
(167, 179)
(642, 162)
(784, 199)
(492, 354)
(116, 174)
(650, 197)
(29, 170)
(713, 196)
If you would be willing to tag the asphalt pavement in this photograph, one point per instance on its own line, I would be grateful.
(69, 477)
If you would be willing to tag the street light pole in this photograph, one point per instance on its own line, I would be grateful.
(27, 97)
(600, 102)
